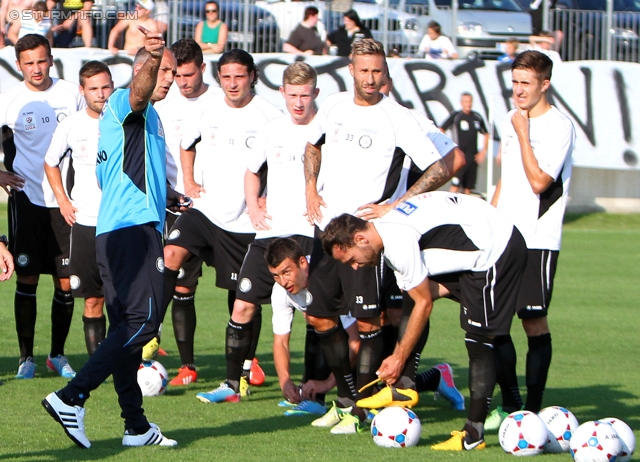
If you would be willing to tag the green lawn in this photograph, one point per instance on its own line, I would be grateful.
(595, 373)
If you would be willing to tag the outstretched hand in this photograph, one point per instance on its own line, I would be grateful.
(153, 42)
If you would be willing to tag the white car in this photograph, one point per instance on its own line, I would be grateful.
(403, 34)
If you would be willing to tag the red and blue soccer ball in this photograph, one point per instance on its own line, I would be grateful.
(595, 441)
(152, 378)
(523, 433)
(627, 438)
(396, 427)
(561, 423)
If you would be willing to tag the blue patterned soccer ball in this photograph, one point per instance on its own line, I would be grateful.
(522, 433)
(396, 427)
(152, 378)
(595, 441)
(561, 423)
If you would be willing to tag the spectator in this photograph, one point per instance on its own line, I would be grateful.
(435, 45)
(544, 43)
(32, 21)
(6, 8)
(133, 38)
(511, 51)
(305, 38)
(348, 33)
(80, 20)
(211, 34)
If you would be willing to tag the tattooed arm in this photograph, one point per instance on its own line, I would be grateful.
(312, 161)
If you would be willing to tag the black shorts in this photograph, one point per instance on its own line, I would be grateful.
(390, 294)
(39, 238)
(131, 267)
(488, 298)
(255, 282)
(468, 174)
(191, 269)
(83, 266)
(338, 289)
(221, 249)
(537, 283)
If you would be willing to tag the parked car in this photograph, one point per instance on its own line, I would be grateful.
(584, 27)
(482, 25)
(403, 31)
(262, 34)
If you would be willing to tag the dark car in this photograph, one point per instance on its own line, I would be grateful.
(260, 36)
(585, 29)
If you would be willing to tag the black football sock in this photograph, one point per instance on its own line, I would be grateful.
(482, 376)
(538, 362)
(255, 337)
(428, 380)
(389, 339)
(95, 330)
(25, 309)
(315, 367)
(369, 359)
(61, 316)
(231, 299)
(183, 317)
(335, 349)
(506, 376)
(170, 278)
(237, 345)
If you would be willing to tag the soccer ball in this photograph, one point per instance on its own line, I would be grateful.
(152, 378)
(627, 438)
(595, 441)
(561, 424)
(396, 427)
(522, 433)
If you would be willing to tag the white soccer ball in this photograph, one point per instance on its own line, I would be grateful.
(595, 441)
(627, 438)
(152, 378)
(522, 433)
(396, 427)
(561, 423)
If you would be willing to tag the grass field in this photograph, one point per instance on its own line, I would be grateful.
(595, 372)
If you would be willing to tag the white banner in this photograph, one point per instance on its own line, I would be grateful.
(597, 95)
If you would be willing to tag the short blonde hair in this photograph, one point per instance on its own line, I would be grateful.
(299, 73)
(367, 47)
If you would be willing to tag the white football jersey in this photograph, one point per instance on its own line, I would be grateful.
(225, 137)
(284, 305)
(440, 233)
(33, 116)
(176, 113)
(78, 133)
(538, 216)
(363, 150)
(281, 144)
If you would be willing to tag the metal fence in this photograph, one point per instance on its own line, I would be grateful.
(260, 26)
(597, 35)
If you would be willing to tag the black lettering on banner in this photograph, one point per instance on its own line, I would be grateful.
(505, 91)
(625, 116)
(115, 60)
(469, 67)
(332, 68)
(262, 65)
(433, 94)
(587, 127)
(9, 68)
(59, 67)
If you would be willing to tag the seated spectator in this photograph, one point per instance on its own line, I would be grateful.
(435, 45)
(305, 38)
(544, 44)
(33, 21)
(211, 34)
(133, 38)
(79, 21)
(345, 35)
(511, 50)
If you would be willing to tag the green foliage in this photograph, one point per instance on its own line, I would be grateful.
(594, 318)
